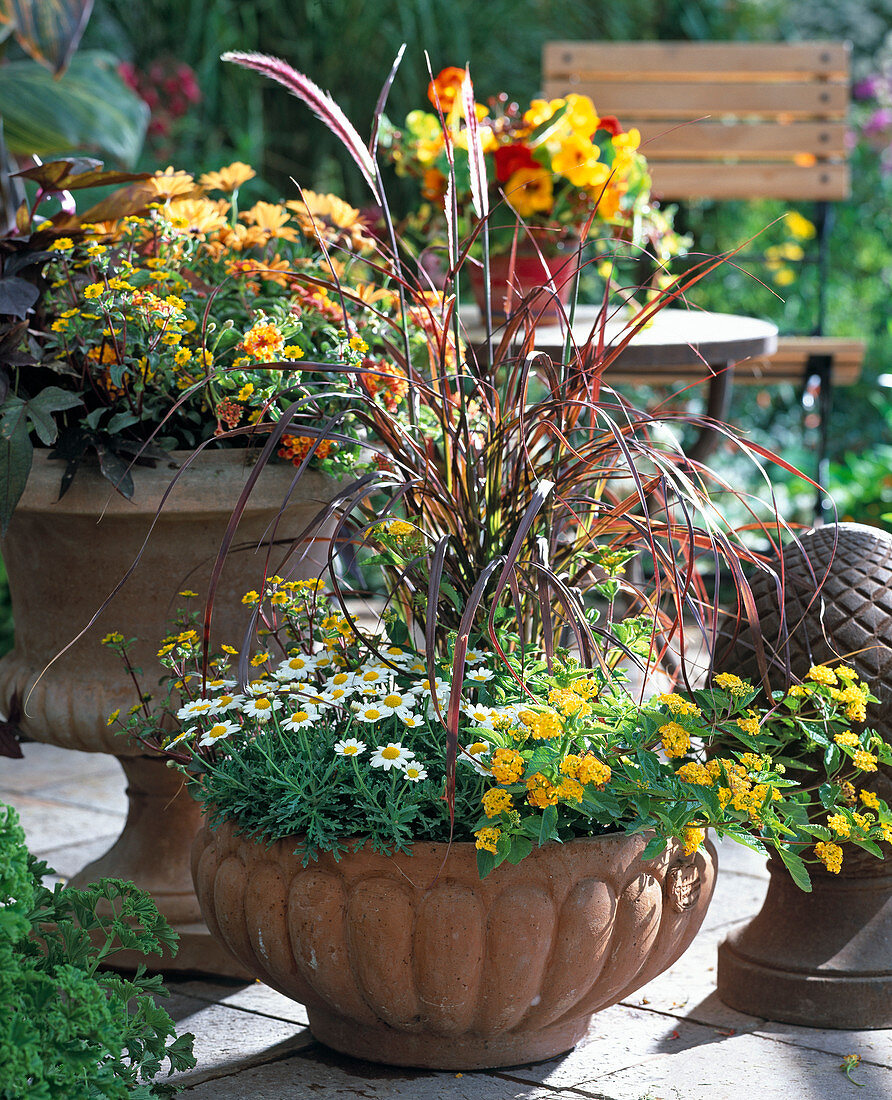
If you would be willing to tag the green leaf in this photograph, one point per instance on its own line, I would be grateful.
(869, 846)
(16, 453)
(486, 862)
(89, 107)
(796, 867)
(116, 470)
(47, 30)
(654, 847)
(831, 758)
(547, 829)
(40, 408)
(521, 847)
(828, 793)
(17, 296)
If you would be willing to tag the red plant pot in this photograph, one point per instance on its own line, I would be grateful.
(540, 280)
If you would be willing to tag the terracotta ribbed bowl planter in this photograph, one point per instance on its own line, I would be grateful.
(412, 961)
(63, 558)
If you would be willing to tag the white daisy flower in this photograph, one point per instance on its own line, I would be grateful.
(262, 708)
(180, 737)
(440, 685)
(397, 655)
(261, 687)
(472, 754)
(336, 695)
(372, 712)
(409, 719)
(479, 675)
(414, 772)
(391, 755)
(300, 719)
(481, 715)
(343, 680)
(419, 667)
(325, 660)
(372, 681)
(349, 747)
(396, 698)
(295, 668)
(442, 702)
(216, 732)
(227, 702)
(475, 656)
(196, 707)
(220, 685)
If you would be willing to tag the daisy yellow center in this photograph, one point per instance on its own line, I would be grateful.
(372, 713)
(393, 700)
(412, 771)
(341, 678)
(262, 704)
(351, 750)
(217, 731)
(299, 716)
(225, 700)
(390, 753)
(371, 677)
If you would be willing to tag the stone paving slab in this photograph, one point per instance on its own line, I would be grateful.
(46, 764)
(672, 1040)
(48, 823)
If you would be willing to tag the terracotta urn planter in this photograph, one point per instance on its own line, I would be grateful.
(63, 558)
(413, 960)
(823, 959)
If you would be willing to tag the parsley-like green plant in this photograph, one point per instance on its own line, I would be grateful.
(68, 1030)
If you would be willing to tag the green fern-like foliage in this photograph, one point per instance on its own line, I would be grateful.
(69, 1031)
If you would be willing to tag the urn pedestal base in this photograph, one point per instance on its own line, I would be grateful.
(154, 851)
(818, 960)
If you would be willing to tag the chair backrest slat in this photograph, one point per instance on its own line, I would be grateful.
(721, 119)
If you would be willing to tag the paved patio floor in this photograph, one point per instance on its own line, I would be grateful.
(673, 1040)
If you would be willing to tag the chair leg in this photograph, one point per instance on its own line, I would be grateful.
(817, 404)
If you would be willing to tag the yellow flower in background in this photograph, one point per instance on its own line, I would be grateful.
(676, 739)
(200, 216)
(577, 160)
(329, 218)
(229, 178)
(272, 219)
(530, 191)
(629, 140)
(799, 226)
(581, 116)
(541, 110)
(171, 182)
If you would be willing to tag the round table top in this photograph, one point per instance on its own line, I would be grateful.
(676, 337)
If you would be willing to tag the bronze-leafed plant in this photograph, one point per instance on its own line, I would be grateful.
(524, 480)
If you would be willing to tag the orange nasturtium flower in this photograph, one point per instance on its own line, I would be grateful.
(445, 88)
